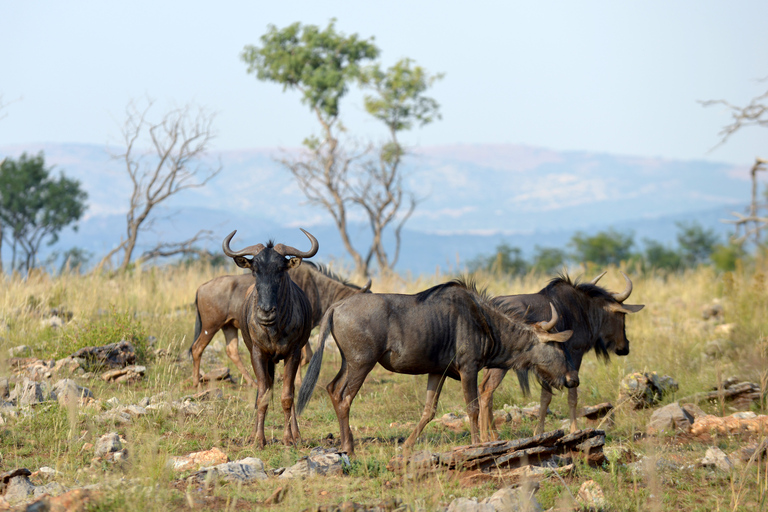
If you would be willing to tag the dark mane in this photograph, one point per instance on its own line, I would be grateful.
(324, 270)
(271, 244)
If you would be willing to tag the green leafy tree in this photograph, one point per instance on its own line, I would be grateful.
(333, 172)
(549, 260)
(35, 206)
(604, 248)
(724, 257)
(506, 260)
(657, 255)
(696, 243)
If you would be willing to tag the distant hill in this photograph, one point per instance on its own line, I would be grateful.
(472, 197)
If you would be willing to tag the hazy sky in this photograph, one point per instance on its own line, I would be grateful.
(617, 77)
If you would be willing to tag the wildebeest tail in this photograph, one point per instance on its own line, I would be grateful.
(198, 325)
(522, 378)
(313, 370)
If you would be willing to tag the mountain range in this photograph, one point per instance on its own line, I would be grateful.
(471, 198)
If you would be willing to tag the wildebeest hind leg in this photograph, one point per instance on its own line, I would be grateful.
(202, 341)
(434, 387)
(230, 333)
(546, 398)
(491, 380)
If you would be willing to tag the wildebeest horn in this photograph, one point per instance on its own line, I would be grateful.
(248, 251)
(548, 325)
(595, 280)
(287, 250)
(621, 297)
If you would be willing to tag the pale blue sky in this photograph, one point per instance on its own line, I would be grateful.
(616, 77)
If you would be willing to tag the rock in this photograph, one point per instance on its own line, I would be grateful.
(751, 452)
(134, 410)
(4, 388)
(114, 355)
(20, 351)
(7, 476)
(716, 458)
(320, 461)
(18, 489)
(708, 424)
(108, 443)
(591, 496)
(515, 499)
(76, 500)
(50, 489)
(54, 322)
(670, 417)
(195, 460)
(128, 374)
(164, 396)
(469, 505)
(29, 392)
(725, 329)
(245, 471)
(208, 394)
(713, 310)
(218, 374)
(646, 389)
(114, 416)
(67, 391)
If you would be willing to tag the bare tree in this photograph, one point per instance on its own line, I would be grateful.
(749, 226)
(178, 143)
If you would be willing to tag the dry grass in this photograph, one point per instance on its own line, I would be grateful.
(668, 336)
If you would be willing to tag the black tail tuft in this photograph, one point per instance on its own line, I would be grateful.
(313, 370)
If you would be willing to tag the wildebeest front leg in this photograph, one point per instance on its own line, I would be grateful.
(434, 386)
(230, 333)
(469, 385)
(546, 398)
(265, 371)
(291, 432)
(491, 379)
(573, 402)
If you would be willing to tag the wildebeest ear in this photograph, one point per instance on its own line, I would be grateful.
(294, 262)
(559, 337)
(625, 308)
(242, 262)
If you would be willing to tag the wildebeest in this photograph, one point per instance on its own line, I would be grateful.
(597, 319)
(276, 320)
(450, 330)
(218, 303)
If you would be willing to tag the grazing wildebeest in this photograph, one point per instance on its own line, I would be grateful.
(596, 318)
(276, 320)
(450, 330)
(218, 303)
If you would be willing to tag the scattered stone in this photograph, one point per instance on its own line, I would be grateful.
(245, 471)
(712, 311)
(203, 396)
(725, 329)
(29, 392)
(320, 461)
(669, 418)
(591, 496)
(128, 374)
(108, 443)
(646, 389)
(708, 424)
(508, 499)
(76, 500)
(114, 355)
(7, 476)
(20, 351)
(752, 452)
(19, 489)
(50, 489)
(218, 374)
(113, 416)
(196, 460)
(67, 392)
(68, 366)
(134, 410)
(716, 458)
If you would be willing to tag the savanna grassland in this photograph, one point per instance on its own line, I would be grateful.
(669, 336)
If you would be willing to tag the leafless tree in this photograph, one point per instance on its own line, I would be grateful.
(174, 162)
(749, 226)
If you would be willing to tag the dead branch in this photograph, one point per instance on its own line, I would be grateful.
(166, 250)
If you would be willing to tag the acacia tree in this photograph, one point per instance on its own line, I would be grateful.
(36, 206)
(175, 161)
(332, 171)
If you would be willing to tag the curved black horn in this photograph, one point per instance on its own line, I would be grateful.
(596, 279)
(287, 250)
(549, 325)
(621, 297)
(253, 250)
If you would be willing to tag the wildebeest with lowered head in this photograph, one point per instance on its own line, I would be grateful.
(450, 330)
(597, 319)
(276, 320)
(218, 303)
